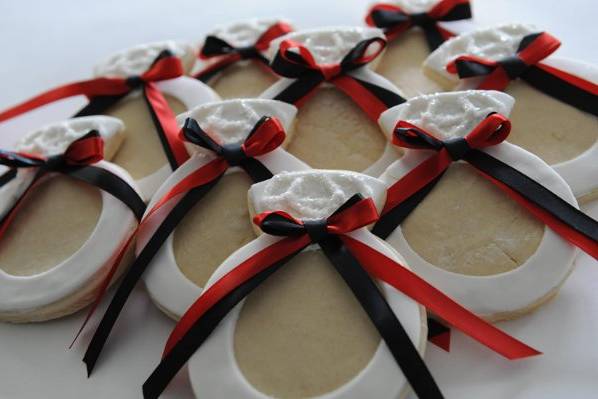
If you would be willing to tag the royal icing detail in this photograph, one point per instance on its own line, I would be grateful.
(313, 194)
(54, 138)
(136, 60)
(229, 121)
(493, 43)
(244, 33)
(540, 274)
(381, 377)
(25, 294)
(327, 45)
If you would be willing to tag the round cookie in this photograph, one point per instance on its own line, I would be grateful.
(332, 131)
(408, 48)
(245, 77)
(302, 333)
(142, 153)
(60, 245)
(466, 237)
(563, 136)
(218, 224)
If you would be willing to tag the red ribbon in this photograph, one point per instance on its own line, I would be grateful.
(544, 45)
(377, 264)
(267, 137)
(491, 131)
(163, 69)
(336, 74)
(440, 9)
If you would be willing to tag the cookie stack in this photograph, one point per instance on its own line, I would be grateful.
(310, 206)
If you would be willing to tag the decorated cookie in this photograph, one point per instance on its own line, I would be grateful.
(456, 208)
(315, 307)
(327, 75)
(557, 99)
(232, 57)
(144, 86)
(408, 47)
(65, 212)
(219, 223)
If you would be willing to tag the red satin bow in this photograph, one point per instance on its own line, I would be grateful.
(375, 263)
(540, 48)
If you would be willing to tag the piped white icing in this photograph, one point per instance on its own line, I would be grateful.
(54, 138)
(137, 59)
(452, 114)
(328, 45)
(313, 194)
(493, 43)
(415, 6)
(502, 293)
(244, 33)
(231, 121)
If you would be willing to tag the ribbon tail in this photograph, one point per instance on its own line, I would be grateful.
(215, 68)
(388, 325)
(434, 36)
(99, 105)
(202, 318)
(166, 126)
(568, 88)
(439, 334)
(385, 269)
(299, 91)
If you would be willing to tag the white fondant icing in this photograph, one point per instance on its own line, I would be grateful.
(313, 194)
(137, 59)
(116, 221)
(165, 282)
(214, 371)
(493, 43)
(54, 138)
(244, 33)
(506, 292)
(447, 115)
(328, 45)
(231, 121)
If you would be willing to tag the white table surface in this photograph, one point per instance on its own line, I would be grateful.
(45, 43)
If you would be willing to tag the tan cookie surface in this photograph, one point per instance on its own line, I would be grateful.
(467, 225)
(549, 128)
(332, 132)
(302, 333)
(214, 228)
(243, 80)
(55, 220)
(141, 153)
(402, 64)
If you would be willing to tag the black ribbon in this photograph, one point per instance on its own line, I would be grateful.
(389, 19)
(539, 78)
(193, 132)
(214, 46)
(93, 175)
(358, 280)
(524, 185)
(307, 78)
(99, 104)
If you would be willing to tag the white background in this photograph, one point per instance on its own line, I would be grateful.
(44, 43)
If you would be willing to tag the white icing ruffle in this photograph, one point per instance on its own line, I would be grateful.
(232, 120)
(313, 194)
(328, 45)
(493, 43)
(452, 114)
(244, 33)
(54, 138)
(136, 60)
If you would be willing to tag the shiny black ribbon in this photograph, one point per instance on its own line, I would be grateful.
(93, 175)
(235, 157)
(389, 19)
(307, 78)
(100, 104)
(358, 280)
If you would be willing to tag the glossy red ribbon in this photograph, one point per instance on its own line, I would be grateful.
(377, 264)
